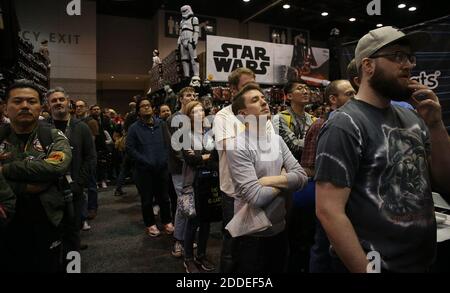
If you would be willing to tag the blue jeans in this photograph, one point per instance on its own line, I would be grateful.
(180, 220)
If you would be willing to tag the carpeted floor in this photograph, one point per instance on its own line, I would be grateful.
(117, 242)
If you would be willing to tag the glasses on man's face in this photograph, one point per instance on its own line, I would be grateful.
(399, 57)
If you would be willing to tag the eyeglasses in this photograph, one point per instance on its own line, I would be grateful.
(399, 57)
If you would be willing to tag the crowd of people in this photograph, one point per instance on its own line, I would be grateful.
(306, 189)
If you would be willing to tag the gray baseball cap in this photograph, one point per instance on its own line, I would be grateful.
(378, 38)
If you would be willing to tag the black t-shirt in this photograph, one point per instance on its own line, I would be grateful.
(61, 125)
(381, 155)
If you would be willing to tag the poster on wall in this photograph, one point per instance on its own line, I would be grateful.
(271, 62)
(433, 62)
(208, 26)
(278, 35)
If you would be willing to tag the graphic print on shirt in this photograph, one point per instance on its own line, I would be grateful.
(403, 186)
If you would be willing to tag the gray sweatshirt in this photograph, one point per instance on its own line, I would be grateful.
(248, 162)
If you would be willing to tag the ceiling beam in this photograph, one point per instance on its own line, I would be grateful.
(274, 3)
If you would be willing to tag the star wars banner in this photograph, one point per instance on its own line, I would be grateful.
(224, 55)
(272, 63)
(433, 62)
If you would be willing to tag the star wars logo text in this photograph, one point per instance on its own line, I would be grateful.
(235, 56)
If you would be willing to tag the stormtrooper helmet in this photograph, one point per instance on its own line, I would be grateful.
(186, 11)
(155, 52)
(195, 82)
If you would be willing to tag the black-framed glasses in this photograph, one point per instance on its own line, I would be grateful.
(399, 57)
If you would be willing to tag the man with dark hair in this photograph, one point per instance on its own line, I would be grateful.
(261, 165)
(377, 163)
(146, 145)
(293, 123)
(33, 159)
(339, 92)
(83, 154)
(81, 112)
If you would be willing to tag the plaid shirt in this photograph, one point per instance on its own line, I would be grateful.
(309, 151)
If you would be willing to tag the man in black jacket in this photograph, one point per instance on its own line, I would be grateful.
(83, 153)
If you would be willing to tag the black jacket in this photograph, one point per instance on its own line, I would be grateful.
(84, 156)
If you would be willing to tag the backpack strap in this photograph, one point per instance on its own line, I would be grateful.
(44, 134)
(287, 117)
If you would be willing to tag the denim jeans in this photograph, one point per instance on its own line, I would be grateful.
(180, 220)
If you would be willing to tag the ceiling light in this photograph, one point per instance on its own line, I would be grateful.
(412, 8)
(352, 19)
(324, 13)
(246, 0)
(286, 6)
(401, 6)
(112, 76)
(137, 77)
(379, 25)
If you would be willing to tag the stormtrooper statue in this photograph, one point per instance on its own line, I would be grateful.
(187, 42)
(156, 59)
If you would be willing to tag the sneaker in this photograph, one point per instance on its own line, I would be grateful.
(153, 231)
(205, 264)
(191, 267)
(169, 228)
(156, 210)
(177, 250)
(86, 226)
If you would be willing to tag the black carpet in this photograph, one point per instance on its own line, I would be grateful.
(117, 242)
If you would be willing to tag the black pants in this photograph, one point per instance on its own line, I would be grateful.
(152, 184)
(33, 243)
(262, 254)
(173, 198)
(72, 225)
(228, 253)
(301, 228)
(189, 237)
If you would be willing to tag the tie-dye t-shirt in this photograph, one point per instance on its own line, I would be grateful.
(381, 155)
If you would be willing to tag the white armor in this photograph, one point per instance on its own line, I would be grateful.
(156, 59)
(188, 40)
